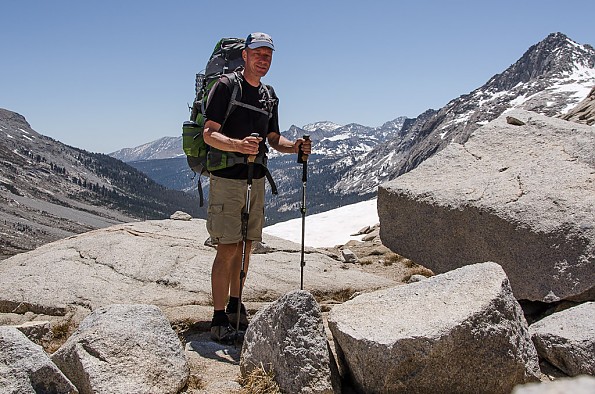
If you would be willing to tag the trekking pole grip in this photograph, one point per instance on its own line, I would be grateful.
(302, 157)
(252, 158)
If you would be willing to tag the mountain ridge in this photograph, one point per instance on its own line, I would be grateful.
(550, 78)
(50, 190)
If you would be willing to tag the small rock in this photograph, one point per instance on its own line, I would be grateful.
(180, 215)
(348, 256)
(363, 230)
(369, 237)
(261, 248)
(514, 121)
(416, 278)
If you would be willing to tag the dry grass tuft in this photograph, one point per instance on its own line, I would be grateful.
(60, 333)
(418, 270)
(259, 381)
(195, 383)
(338, 296)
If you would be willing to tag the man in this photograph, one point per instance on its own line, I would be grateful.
(227, 195)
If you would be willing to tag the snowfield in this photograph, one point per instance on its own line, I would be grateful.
(330, 228)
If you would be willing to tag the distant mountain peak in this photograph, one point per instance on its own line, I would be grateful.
(555, 56)
(162, 148)
(550, 78)
(322, 125)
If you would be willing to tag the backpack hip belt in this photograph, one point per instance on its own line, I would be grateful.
(218, 159)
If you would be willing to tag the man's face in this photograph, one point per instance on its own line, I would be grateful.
(258, 61)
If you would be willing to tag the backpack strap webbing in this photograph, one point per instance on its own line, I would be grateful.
(200, 193)
(261, 159)
(232, 159)
(236, 95)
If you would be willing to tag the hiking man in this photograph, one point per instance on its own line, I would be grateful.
(231, 135)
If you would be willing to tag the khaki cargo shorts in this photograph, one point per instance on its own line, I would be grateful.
(227, 198)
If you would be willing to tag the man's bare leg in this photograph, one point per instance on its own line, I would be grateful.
(225, 275)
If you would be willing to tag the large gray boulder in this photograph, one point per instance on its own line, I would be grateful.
(26, 368)
(567, 339)
(124, 349)
(519, 195)
(459, 332)
(287, 337)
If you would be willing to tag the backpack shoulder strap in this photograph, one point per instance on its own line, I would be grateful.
(271, 99)
(235, 80)
(236, 100)
(236, 94)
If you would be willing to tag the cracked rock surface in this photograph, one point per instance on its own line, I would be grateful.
(159, 262)
(520, 195)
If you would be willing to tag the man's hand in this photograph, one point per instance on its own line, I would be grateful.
(249, 145)
(306, 146)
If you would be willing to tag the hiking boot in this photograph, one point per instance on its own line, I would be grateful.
(223, 334)
(232, 315)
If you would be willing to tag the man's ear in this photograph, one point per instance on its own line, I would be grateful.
(244, 54)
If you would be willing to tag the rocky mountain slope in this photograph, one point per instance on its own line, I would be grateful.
(50, 190)
(551, 78)
(163, 148)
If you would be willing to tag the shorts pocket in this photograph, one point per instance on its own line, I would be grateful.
(215, 221)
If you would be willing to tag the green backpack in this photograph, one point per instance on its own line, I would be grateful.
(225, 60)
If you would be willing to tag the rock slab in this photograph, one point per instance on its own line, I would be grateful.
(124, 349)
(287, 337)
(459, 332)
(521, 196)
(567, 339)
(157, 262)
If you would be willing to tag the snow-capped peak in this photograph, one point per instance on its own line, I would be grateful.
(323, 125)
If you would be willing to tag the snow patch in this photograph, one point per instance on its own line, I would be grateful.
(338, 137)
(328, 228)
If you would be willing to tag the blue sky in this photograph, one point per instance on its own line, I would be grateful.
(105, 75)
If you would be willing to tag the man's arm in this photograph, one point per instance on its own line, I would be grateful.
(214, 138)
(282, 144)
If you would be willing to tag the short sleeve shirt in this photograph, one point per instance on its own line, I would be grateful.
(242, 121)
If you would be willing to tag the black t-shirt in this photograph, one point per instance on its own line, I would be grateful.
(242, 121)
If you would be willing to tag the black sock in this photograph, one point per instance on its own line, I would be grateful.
(232, 305)
(219, 318)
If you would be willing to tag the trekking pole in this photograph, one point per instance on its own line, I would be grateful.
(303, 159)
(245, 217)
